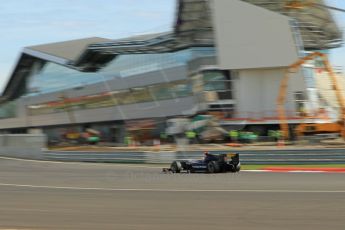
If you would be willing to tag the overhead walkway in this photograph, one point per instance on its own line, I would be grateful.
(309, 19)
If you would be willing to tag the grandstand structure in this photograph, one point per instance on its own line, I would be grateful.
(224, 58)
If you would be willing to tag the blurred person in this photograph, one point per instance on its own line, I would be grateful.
(191, 135)
(233, 136)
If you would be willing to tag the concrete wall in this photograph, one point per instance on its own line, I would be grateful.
(257, 90)
(28, 146)
(248, 36)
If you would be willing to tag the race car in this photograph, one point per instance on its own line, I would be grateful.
(212, 163)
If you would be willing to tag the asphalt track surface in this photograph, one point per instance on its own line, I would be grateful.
(47, 195)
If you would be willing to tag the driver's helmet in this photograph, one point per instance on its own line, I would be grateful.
(206, 154)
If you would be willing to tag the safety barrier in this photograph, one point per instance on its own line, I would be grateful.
(288, 156)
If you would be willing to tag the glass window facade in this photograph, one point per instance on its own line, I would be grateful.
(218, 81)
(54, 77)
(222, 110)
(8, 110)
(309, 77)
(300, 101)
(163, 91)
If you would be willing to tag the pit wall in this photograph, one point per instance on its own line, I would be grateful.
(26, 146)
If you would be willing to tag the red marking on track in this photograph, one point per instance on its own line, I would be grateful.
(304, 169)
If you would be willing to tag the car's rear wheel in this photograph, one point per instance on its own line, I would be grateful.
(238, 167)
(213, 167)
(176, 167)
(235, 168)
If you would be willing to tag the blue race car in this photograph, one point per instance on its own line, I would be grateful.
(212, 163)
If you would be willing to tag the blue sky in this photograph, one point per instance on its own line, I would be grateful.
(32, 22)
(338, 55)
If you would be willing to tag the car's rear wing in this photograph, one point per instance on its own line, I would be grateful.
(235, 157)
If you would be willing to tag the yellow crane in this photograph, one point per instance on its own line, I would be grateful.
(305, 4)
(311, 128)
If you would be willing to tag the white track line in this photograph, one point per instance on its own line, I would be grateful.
(168, 190)
(80, 163)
